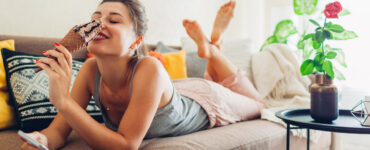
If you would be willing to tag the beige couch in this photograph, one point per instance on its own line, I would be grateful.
(251, 135)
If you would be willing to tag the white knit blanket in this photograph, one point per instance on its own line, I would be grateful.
(278, 79)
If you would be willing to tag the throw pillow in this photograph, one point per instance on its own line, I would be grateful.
(7, 118)
(172, 62)
(195, 66)
(239, 52)
(9, 44)
(175, 64)
(29, 91)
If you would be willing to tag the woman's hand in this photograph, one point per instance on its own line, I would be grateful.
(58, 66)
(38, 137)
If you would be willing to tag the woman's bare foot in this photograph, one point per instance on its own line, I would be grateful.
(224, 15)
(195, 32)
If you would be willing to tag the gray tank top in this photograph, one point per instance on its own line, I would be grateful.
(181, 116)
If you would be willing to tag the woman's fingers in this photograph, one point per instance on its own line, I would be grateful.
(65, 52)
(50, 66)
(45, 67)
(62, 56)
(62, 60)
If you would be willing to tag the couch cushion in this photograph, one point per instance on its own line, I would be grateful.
(29, 91)
(35, 45)
(247, 135)
(255, 134)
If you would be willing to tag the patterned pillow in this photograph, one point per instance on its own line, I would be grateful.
(29, 91)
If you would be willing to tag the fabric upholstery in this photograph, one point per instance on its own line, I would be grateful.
(248, 135)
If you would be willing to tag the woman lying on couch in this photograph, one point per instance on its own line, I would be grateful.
(135, 94)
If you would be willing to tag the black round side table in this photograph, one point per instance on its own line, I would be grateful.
(346, 123)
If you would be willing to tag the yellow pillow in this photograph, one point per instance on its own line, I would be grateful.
(7, 118)
(6, 111)
(175, 64)
(9, 44)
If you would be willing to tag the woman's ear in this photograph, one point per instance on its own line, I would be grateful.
(137, 43)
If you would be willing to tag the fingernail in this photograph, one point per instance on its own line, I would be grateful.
(43, 52)
(37, 60)
(56, 44)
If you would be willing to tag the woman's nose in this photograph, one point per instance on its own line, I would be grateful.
(103, 25)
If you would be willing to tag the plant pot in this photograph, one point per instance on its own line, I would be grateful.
(324, 99)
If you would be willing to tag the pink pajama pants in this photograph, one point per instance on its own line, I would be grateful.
(232, 100)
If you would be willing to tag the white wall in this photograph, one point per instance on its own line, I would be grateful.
(276, 10)
(53, 18)
(46, 18)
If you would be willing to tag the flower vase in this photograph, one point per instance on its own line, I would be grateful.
(324, 99)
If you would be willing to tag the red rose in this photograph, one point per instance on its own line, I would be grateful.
(333, 9)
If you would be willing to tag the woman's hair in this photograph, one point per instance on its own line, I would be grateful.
(138, 17)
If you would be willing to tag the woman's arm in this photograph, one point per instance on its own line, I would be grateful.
(146, 96)
(59, 129)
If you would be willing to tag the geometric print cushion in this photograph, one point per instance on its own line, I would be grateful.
(29, 92)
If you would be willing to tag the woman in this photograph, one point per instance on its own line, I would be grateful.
(137, 98)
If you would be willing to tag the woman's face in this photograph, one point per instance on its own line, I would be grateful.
(117, 34)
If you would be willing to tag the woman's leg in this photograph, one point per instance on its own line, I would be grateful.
(218, 67)
(223, 18)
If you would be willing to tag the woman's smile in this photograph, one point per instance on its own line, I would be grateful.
(100, 36)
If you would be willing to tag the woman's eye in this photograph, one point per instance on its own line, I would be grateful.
(111, 21)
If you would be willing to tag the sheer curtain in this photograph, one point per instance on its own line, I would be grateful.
(357, 51)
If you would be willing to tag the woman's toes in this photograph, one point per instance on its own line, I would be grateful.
(222, 20)
(185, 23)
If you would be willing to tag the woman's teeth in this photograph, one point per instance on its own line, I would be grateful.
(100, 36)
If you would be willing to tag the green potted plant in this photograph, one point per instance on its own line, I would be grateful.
(305, 43)
(324, 95)
(320, 59)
